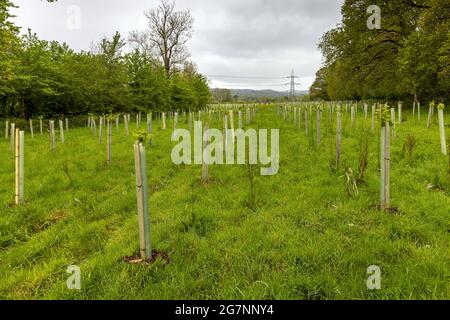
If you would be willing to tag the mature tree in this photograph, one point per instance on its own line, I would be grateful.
(140, 41)
(114, 91)
(416, 65)
(318, 90)
(147, 82)
(169, 30)
(406, 57)
(221, 95)
(436, 24)
(8, 45)
(189, 89)
(425, 55)
(37, 78)
(199, 84)
(40, 77)
(111, 50)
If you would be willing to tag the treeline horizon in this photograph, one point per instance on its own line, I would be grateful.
(406, 59)
(48, 78)
(226, 95)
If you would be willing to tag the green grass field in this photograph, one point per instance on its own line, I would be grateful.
(305, 239)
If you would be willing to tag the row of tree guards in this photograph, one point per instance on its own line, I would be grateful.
(299, 114)
(139, 150)
(141, 166)
(17, 143)
(9, 127)
(295, 114)
(163, 117)
(110, 119)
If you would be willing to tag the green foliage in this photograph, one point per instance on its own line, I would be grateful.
(351, 183)
(142, 136)
(111, 117)
(408, 56)
(8, 44)
(409, 146)
(221, 95)
(319, 90)
(384, 114)
(363, 155)
(48, 78)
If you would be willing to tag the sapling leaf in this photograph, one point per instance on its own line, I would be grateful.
(142, 136)
(384, 114)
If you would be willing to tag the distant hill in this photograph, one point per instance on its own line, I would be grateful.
(250, 93)
(224, 95)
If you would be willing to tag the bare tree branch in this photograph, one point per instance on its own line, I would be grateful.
(168, 33)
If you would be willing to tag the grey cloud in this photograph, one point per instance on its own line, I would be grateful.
(263, 38)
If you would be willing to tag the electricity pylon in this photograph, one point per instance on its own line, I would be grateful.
(293, 83)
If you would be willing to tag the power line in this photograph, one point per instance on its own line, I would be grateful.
(244, 77)
(254, 85)
(258, 84)
(292, 83)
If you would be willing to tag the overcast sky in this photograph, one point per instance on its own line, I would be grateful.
(242, 38)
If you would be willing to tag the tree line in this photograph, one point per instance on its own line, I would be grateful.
(406, 58)
(148, 70)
